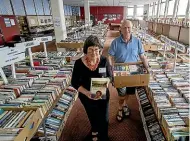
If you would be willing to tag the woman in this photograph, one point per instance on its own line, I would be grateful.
(93, 65)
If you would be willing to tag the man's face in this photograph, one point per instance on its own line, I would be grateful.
(126, 29)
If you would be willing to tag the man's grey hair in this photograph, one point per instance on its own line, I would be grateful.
(126, 21)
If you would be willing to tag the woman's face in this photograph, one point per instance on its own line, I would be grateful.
(93, 52)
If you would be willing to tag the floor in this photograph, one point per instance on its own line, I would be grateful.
(77, 126)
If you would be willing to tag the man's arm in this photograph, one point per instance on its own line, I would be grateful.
(111, 60)
(145, 62)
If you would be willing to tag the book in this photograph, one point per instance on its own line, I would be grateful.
(98, 87)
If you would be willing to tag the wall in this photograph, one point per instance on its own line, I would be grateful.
(99, 11)
(8, 32)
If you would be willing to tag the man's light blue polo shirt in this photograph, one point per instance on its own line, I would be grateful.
(126, 52)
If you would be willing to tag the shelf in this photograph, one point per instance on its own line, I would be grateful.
(143, 117)
(62, 125)
(69, 45)
(150, 99)
(26, 134)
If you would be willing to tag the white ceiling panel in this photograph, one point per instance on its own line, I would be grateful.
(108, 2)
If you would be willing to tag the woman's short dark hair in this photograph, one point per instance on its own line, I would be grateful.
(91, 41)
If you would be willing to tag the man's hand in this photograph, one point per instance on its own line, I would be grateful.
(111, 60)
(147, 70)
(145, 63)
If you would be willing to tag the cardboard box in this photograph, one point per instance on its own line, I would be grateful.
(131, 80)
(69, 45)
(150, 47)
(113, 33)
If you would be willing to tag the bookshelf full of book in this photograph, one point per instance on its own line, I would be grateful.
(37, 102)
(168, 98)
(164, 103)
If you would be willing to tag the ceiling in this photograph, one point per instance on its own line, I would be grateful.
(108, 2)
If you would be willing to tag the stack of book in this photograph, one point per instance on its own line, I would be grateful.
(169, 92)
(57, 118)
(124, 70)
(151, 125)
(12, 122)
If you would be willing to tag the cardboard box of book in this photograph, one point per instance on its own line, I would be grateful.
(130, 75)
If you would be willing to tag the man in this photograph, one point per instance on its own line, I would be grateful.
(124, 49)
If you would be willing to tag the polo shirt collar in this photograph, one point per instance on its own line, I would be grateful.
(122, 40)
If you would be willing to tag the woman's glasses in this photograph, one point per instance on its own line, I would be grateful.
(95, 50)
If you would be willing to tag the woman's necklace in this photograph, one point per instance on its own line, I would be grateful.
(90, 66)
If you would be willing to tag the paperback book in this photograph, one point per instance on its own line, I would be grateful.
(99, 87)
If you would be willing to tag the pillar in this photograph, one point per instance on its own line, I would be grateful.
(135, 12)
(125, 12)
(58, 20)
(87, 12)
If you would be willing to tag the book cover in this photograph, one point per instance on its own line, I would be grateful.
(98, 87)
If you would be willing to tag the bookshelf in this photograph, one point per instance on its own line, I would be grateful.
(178, 55)
(151, 101)
(169, 91)
(27, 133)
(152, 129)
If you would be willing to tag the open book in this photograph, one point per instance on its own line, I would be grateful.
(98, 87)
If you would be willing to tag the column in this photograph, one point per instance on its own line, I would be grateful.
(166, 9)
(135, 11)
(175, 9)
(124, 12)
(158, 9)
(87, 12)
(58, 20)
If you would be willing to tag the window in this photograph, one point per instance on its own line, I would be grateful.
(162, 8)
(139, 18)
(39, 7)
(5, 7)
(182, 7)
(140, 11)
(150, 10)
(155, 9)
(30, 9)
(18, 7)
(129, 17)
(130, 11)
(171, 7)
(46, 7)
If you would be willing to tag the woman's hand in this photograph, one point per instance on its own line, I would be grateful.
(88, 94)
